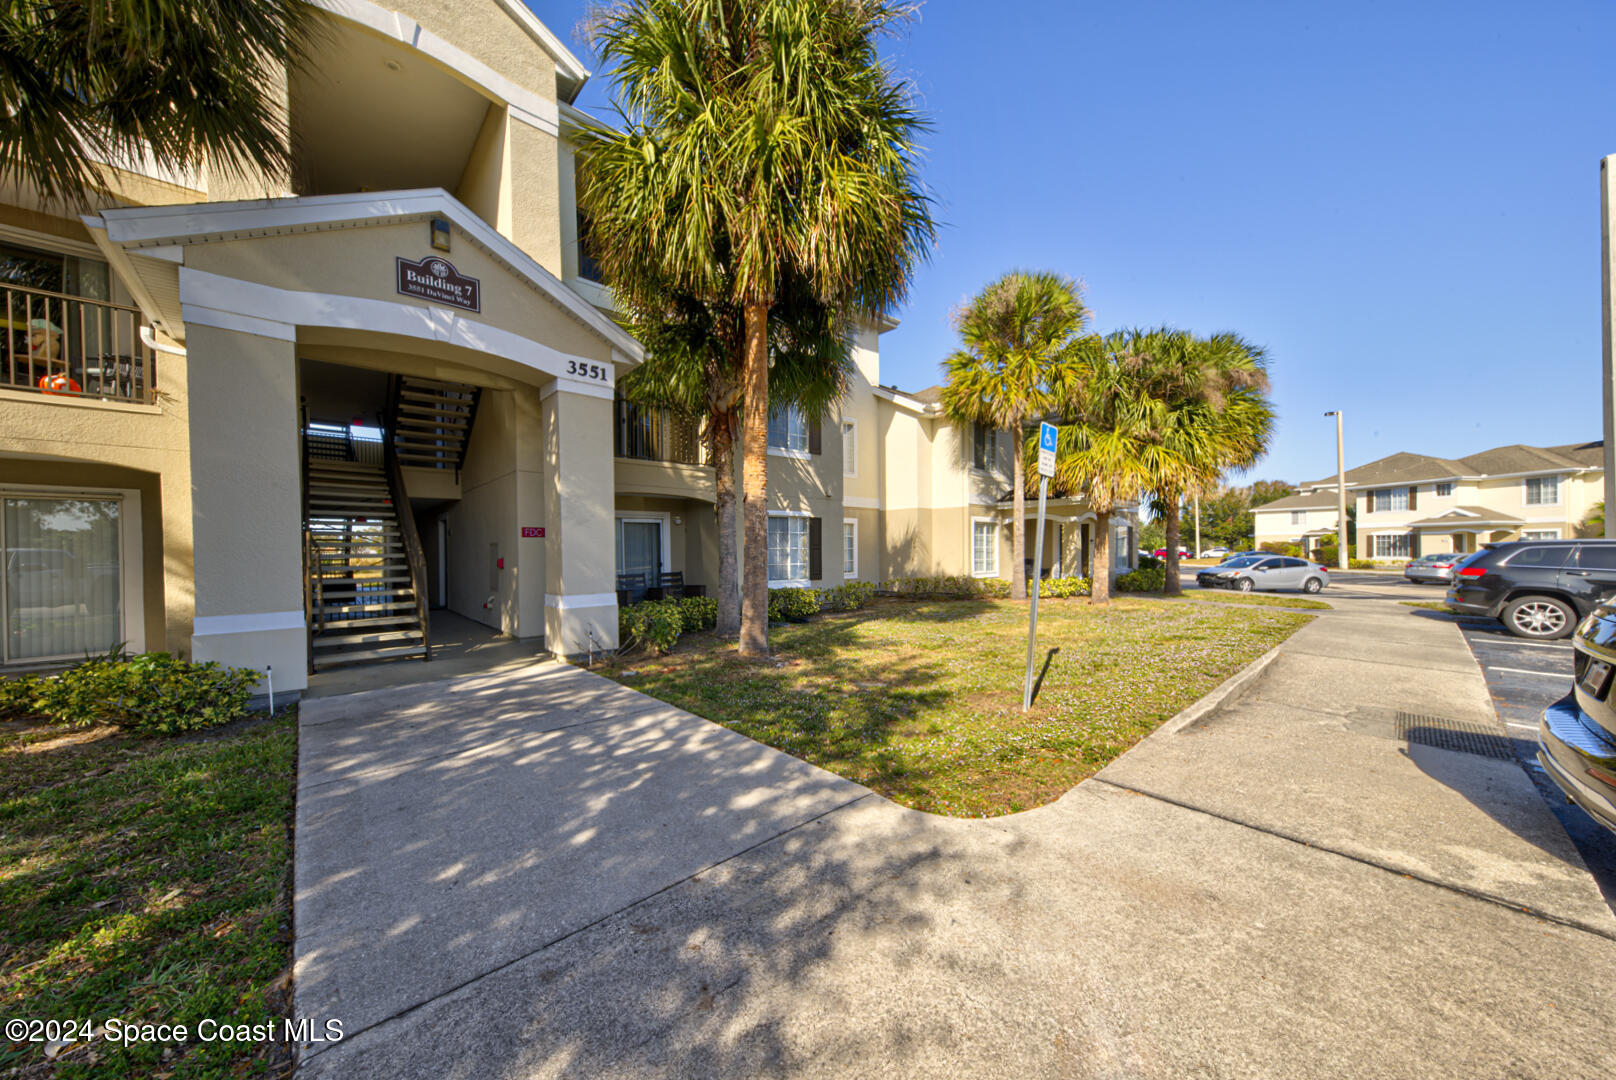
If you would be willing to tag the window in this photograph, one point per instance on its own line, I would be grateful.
(1444, 491)
(788, 432)
(1293, 564)
(1597, 556)
(1540, 534)
(849, 448)
(984, 447)
(1549, 555)
(1298, 517)
(63, 577)
(1542, 490)
(1391, 499)
(1392, 547)
(788, 550)
(849, 548)
(985, 548)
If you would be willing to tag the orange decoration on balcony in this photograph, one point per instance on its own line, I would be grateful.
(59, 384)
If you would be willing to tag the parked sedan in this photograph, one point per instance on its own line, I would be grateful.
(1432, 569)
(1161, 553)
(1265, 572)
(1576, 739)
(1215, 553)
(1536, 588)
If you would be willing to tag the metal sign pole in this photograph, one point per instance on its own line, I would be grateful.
(1046, 469)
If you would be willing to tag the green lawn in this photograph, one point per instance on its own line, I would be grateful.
(145, 880)
(922, 701)
(1256, 599)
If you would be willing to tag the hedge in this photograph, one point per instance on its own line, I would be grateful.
(656, 625)
(152, 693)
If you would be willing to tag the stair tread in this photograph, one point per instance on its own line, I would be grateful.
(380, 620)
(364, 637)
(334, 659)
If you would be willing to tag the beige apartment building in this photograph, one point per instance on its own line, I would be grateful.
(1407, 504)
(292, 422)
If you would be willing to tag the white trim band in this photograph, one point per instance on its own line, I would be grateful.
(569, 601)
(257, 623)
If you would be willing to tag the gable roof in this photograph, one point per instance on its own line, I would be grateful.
(1406, 468)
(1310, 500)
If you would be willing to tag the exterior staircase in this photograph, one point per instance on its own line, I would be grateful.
(432, 421)
(363, 601)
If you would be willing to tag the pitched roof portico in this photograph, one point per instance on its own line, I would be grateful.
(252, 288)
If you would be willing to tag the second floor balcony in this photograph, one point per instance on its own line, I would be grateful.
(74, 346)
(650, 434)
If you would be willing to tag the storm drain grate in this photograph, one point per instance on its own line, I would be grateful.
(1455, 735)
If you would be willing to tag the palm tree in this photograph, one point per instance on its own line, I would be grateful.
(690, 369)
(181, 80)
(1219, 420)
(1013, 368)
(1111, 445)
(760, 140)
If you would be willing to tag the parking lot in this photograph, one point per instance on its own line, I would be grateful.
(1524, 678)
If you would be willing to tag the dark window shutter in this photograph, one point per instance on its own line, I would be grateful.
(1369, 507)
(814, 444)
(816, 559)
(1413, 498)
(1414, 538)
(979, 446)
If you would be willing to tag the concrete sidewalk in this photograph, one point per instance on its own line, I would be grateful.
(550, 875)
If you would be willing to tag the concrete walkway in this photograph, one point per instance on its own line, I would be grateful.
(544, 874)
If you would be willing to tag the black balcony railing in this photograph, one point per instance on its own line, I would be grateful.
(656, 435)
(75, 347)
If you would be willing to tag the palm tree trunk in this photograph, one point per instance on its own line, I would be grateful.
(755, 484)
(1170, 526)
(1100, 566)
(1018, 525)
(726, 590)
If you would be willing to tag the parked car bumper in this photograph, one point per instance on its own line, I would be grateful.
(1569, 744)
(1470, 604)
(1213, 581)
(1428, 577)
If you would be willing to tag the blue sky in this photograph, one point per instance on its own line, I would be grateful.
(1399, 200)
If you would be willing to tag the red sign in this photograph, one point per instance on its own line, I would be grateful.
(532, 532)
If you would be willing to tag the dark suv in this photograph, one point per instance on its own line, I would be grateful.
(1538, 588)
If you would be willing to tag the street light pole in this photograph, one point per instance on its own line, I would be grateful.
(1340, 494)
(1198, 525)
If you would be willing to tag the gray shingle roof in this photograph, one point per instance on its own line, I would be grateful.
(1315, 500)
(1465, 515)
(1404, 467)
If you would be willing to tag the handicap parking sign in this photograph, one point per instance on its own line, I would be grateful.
(1046, 449)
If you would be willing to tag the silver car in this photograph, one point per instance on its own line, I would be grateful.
(1249, 572)
(1433, 569)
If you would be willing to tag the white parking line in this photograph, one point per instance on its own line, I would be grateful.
(1523, 727)
(1523, 671)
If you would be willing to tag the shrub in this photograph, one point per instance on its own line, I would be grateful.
(1360, 564)
(849, 597)
(793, 604)
(1328, 554)
(697, 613)
(652, 625)
(947, 587)
(1143, 580)
(1061, 588)
(1277, 548)
(1150, 562)
(153, 693)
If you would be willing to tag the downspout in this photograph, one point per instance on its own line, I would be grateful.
(151, 342)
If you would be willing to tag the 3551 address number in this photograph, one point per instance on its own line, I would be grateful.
(588, 371)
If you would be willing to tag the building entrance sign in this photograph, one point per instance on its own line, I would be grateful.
(434, 278)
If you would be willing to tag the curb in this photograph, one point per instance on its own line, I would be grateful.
(1225, 694)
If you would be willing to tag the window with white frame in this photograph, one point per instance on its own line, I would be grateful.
(1542, 490)
(1540, 534)
(985, 548)
(788, 549)
(1391, 499)
(984, 447)
(788, 431)
(849, 448)
(849, 547)
(1392, 546)
(1444, 491)
(64, 576)
(1298, 517)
